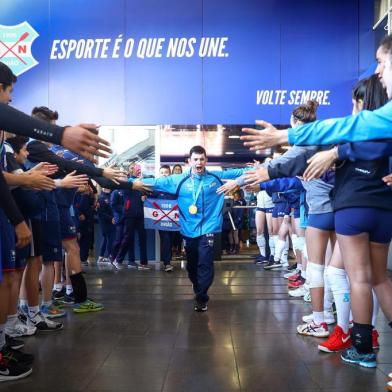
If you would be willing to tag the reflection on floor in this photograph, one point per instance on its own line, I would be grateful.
(149, 339)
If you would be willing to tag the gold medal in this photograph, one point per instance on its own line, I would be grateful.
(192, 209)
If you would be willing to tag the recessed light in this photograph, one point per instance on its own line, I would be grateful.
(229, 153)
(234, 137)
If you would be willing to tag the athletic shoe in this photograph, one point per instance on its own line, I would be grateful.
(52, 312)
(351, 355)
(289, 274)
(375, 343)
(168, 268)
(69, 299)
(84, 263)
(200, 306)
(294, 277)
(143, 267)
(307, 296)
(44, 324)
(133, 265)
(117, 265)
(298, 283)
(15, 344)
(16, 356)
(58, 304)
(328, 318)
(261, 259)
(58, 295)
(292, 267)
(11, 371)
(312, 329)
(297, 293)
(87, 306)
(101, 261)
(19, 329)
(337, 341)
(273, 266)
(389, 386)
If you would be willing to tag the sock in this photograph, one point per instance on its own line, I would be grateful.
(260, 239)
(79, 287)
(279, 246)
(68, 289)
(376, 308)
(362, 338)
(318, 317)
(2, 336)
(271, 243)
(12, 319)
(337, 279)
(57, 287)
(328, 296)
(285, 253)
(33, 311)
(46, 303)
(23, 303)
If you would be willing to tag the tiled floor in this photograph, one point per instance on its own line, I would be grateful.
(150, 339)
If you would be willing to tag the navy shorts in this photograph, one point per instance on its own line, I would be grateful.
(280, 210)
(67, 225)
(376, 222)
(9, 260)
(296, 213)
(266, 210)
(324, 222)
(51, 244)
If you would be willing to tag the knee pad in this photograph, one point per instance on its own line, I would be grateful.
(315, 275)
(299, 244)
(260, 239)
(337, 279)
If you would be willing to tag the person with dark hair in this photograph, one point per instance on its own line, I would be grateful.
(353, 128)
(200, 217)
(177, 237)
(177, 169)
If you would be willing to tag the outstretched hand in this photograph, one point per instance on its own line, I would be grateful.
(319, 163)
(227, 187)
(262, 139)
(254, 177)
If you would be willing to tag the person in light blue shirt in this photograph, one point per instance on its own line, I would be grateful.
(353, 128)
(200, 210)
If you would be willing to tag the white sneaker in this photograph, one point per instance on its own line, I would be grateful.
(328, 318)
(101, 261)
(292, 273)
(311, 329)
(168, 268)
(297, 293)
(143, 267)
(117, 265)
(20, 329)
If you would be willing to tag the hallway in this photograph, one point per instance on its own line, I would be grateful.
(149, 339)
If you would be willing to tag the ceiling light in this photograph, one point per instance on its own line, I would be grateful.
(234, 137)
(229, 153)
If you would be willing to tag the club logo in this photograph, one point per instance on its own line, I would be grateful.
(15, 47)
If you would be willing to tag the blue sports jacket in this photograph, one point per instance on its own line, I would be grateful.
(208, 218)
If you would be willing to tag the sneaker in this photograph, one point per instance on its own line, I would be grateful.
(69, 299)
(351, 355)
(200, 306)
(11, 371)
(289, 274)
(58, 304)
(117, 265)
(52, 312)
(312, 329)
(11, 355)
(292, 267)
(87, 306)
(44, 324)
(101, 260)
(58, 295)
(297, 293)
(273, 266)
(143, 267)
(19, 329)
(337, 341)
(261, 259)
(328, 318)
(298, 283)
(169, 268)
(84, 263)
(375, 343)
(294, 277)
(15, 344)
(133, 265)
(389, 386)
